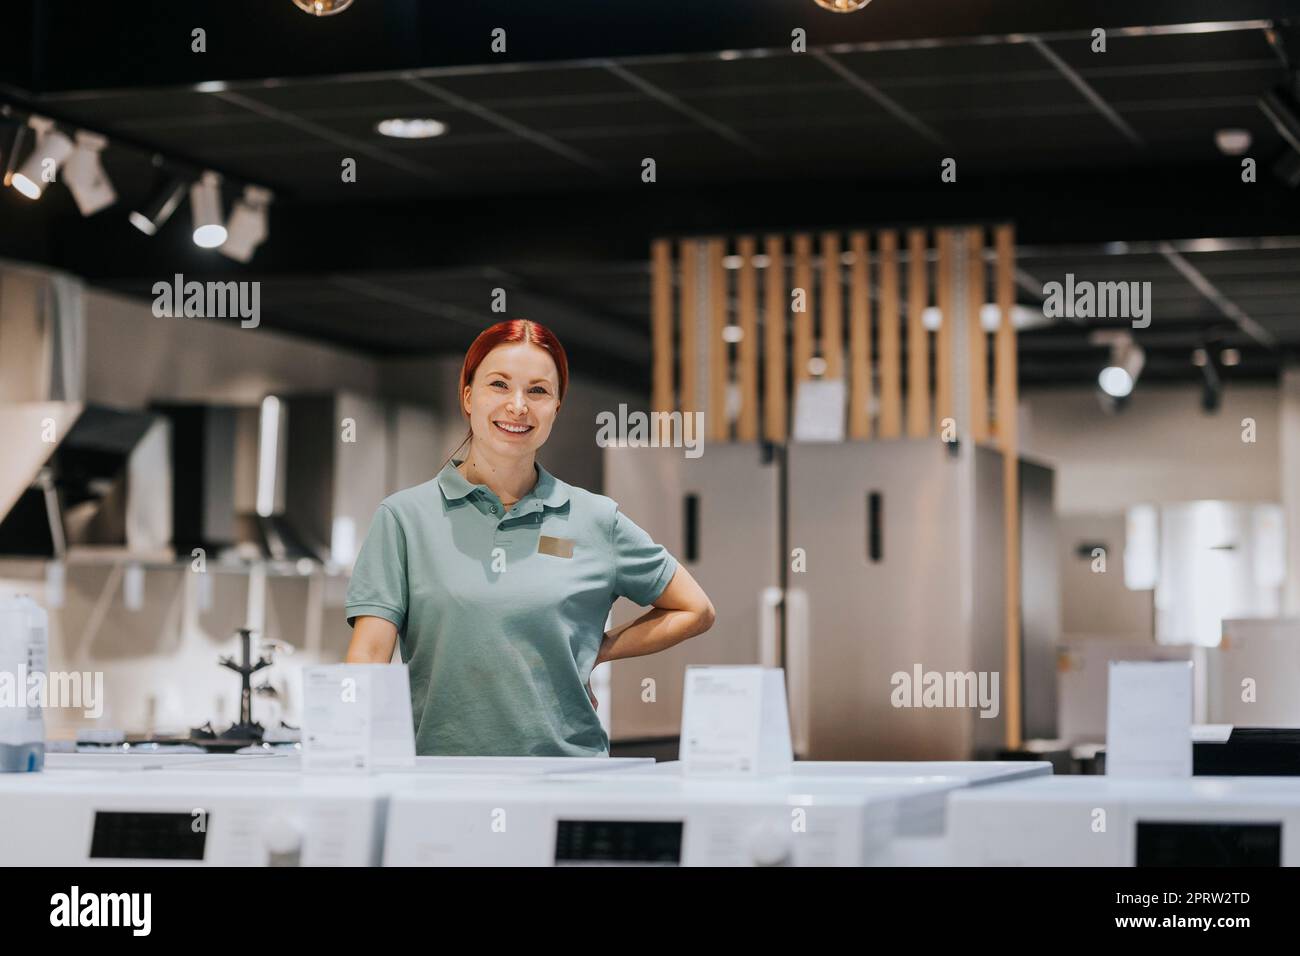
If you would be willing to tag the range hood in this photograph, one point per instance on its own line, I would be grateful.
(296, 477)
(80, 479)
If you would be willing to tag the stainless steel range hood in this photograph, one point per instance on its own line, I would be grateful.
(297, 477)
(83, 479)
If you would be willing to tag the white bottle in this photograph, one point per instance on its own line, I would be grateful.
(24, 626)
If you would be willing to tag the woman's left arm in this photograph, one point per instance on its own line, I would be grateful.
(682, 611)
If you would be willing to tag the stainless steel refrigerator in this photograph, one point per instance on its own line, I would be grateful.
(869, 570)
(719, 515)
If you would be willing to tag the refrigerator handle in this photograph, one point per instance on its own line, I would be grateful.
(769, 605)
(875, 531)
(691, 529)
(797, 667)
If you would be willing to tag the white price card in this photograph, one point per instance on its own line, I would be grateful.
(735, 721)
(1149, 719)
(356, 717)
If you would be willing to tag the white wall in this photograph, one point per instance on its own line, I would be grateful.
(133, 357)
(1161, 448)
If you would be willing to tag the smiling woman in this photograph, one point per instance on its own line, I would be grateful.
(497, 578)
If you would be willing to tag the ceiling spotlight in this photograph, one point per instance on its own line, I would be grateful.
(205, 207)
(1115, 381)
(164, 199)
(931, 318)
(1200, 357)
(410, 128)
(842, 6)
(1126, 360)
(85, 176)
(1232, 142)
(13, 136)
(322, 8)
(247, 225)
(1230, 357)
(52, 148)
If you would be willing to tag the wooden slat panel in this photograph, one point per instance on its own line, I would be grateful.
(918, 344)
(1005, 387)
(776, 300)
(803, 320)
(944, 338)
(747, 355)
(859, 340)
(832, 294)
(687, 253)
(891, 388)
(718, 429)
(976, 339)
(661, 326)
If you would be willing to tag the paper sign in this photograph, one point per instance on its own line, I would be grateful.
(819, 410)
(1149, 719)
(357, 717)
(735, 721)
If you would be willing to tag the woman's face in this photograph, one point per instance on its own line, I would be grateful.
(513, 399)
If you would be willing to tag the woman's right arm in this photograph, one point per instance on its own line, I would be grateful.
(373, 641)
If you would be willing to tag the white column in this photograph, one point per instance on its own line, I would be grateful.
(1289, 465)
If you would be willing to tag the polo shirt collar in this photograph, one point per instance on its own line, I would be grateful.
(549, 491)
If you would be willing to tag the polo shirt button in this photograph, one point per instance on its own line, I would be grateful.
(494, 509)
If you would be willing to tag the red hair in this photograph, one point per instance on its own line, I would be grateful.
(509, 332)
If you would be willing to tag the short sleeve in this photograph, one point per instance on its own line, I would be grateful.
(642, 567)
(378, 584)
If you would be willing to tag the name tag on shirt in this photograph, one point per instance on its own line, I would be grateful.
(559, 547)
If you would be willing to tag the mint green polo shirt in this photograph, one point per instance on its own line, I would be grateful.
(500, 635)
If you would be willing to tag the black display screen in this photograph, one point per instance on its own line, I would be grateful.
(619, 841)
(148, 836)
(1209, 844)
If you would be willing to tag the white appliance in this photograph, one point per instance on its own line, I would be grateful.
(1105, 821)
(227, 809)
(112, 761)
(179, 817)
(841, 816)
(1253, 675)
(490, 766)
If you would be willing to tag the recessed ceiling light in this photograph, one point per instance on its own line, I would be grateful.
(322, 8)
(410, 128)
(1232, 142)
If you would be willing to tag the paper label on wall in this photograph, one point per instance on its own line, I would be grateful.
(819, 410)
(1149, 719)
(735, 721)
(357, 717)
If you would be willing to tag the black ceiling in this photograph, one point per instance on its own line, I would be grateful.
(536, 186)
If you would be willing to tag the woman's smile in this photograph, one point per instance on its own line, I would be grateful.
(512, 428)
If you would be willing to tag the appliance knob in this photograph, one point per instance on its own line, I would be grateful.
(282, 836)
(769, 846)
